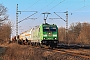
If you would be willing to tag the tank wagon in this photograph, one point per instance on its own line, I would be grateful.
(45, 34)
(25, 37)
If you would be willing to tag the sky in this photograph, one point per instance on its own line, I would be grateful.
(78, 11)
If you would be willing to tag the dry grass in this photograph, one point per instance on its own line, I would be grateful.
(17, 52)
(21, 52)
(26, 52)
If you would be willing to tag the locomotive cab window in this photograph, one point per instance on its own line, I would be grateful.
(52, 28)
(45, 28)
(49, 28)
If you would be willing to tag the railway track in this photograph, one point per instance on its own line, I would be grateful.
(63, 51)
(70, 52)
(81, 53)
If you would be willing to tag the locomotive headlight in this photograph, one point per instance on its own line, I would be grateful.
(44, 38)
(55, 35)
(45, 35)
(55, 38)
(49, 33)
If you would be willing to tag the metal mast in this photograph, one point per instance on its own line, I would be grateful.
(17, 23)
(67, 26)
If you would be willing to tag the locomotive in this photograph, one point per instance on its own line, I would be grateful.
(45, 34)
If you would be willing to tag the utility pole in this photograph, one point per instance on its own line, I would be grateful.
(17, 38)
(17, 23)
(67, 26)
(45, 18)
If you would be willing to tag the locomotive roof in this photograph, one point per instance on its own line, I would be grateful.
(49, 24)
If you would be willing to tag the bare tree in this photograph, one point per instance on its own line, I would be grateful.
(84, 37)
(3, 15)
(74, 32)
(5, 25)
(78, 33)
(61, 34)
(6, 31)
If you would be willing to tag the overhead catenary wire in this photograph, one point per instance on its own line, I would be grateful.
(50, 4)
(33, 4)
(82, 8)
(56, 5)
(40, 9)
(47, 5)
(27, 17)
(60, 17)
(74, 4)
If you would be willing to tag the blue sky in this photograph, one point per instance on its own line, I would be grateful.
(78, 11)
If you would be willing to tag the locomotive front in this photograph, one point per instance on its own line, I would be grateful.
(50, 34)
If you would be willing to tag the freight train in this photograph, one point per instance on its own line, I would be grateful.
(45, 34)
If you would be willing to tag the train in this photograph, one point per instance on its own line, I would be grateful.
(44, 34)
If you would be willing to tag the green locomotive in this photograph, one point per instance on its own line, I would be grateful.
(45, 34)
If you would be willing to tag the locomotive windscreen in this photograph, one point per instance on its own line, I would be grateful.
(49, 28)
(52, 28)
